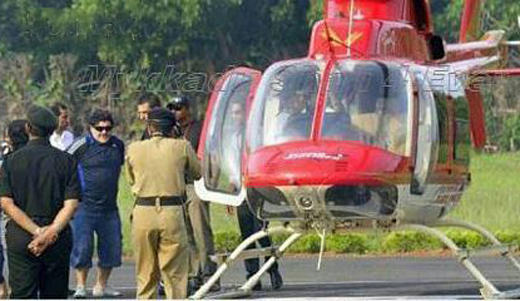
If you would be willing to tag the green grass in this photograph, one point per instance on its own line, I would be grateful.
(493, 201)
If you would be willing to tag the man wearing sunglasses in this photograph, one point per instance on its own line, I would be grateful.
(100, 156)
(201, 266)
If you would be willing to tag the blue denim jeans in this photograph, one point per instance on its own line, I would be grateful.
(107, 227)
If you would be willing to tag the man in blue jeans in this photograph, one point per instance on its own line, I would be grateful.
(100, 157)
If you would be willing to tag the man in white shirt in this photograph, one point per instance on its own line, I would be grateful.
(61, 138)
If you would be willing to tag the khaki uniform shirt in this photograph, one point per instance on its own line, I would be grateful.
(156, 167)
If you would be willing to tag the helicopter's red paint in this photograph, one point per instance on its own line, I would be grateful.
(325, 163)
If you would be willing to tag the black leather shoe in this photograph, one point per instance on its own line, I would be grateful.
(276, 280)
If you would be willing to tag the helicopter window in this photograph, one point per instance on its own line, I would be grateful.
(284, 108)
(441, 100)
(427, 137)
(223, 152)
(462, 133)
(368, 102)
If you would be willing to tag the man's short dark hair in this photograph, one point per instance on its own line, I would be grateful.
(57, 107)
(99, 115)
(150, 98)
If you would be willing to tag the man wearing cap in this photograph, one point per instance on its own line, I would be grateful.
(156, 171)
(39, 190)
(201, 266)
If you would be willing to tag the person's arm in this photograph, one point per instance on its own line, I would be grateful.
(129, 171)
(8, 204)
(193, 163)
(18, 216)
(50, 233)
(64, 216)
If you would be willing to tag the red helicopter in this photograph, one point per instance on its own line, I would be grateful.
(372, 129)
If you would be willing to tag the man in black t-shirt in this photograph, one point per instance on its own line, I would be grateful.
(39, 190)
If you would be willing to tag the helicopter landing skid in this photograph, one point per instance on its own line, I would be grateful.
(241, 253)
(488, 290)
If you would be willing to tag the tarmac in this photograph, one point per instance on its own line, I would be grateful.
(363, 277)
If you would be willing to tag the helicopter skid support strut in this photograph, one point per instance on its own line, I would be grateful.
(241, 253)
(488, 290)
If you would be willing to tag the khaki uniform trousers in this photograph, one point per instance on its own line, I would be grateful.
(201, 234)
(161, 251)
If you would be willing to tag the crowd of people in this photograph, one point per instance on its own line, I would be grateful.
(59, 193)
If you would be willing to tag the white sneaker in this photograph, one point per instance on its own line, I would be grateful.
(107, 291)
(80, 292)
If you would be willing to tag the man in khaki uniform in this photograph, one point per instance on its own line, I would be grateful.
(156, 170)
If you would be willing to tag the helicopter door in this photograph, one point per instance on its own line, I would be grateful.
(223, 135)
(427, 138)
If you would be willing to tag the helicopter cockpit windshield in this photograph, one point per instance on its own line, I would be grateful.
(368, 102)
(285, 103)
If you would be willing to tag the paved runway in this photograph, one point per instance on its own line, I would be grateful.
(364, 278)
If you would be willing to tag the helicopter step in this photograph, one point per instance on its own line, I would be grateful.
(241, 253)
(488, 290)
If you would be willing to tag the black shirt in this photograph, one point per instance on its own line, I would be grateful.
(192, 133)
(39, 178)
(145, 135)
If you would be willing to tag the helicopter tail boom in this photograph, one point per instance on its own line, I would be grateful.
(470, 23)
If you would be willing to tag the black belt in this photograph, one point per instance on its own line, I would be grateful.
(163, 201)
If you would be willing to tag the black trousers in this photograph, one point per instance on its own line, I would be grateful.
(43, 277)
(250, 224)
